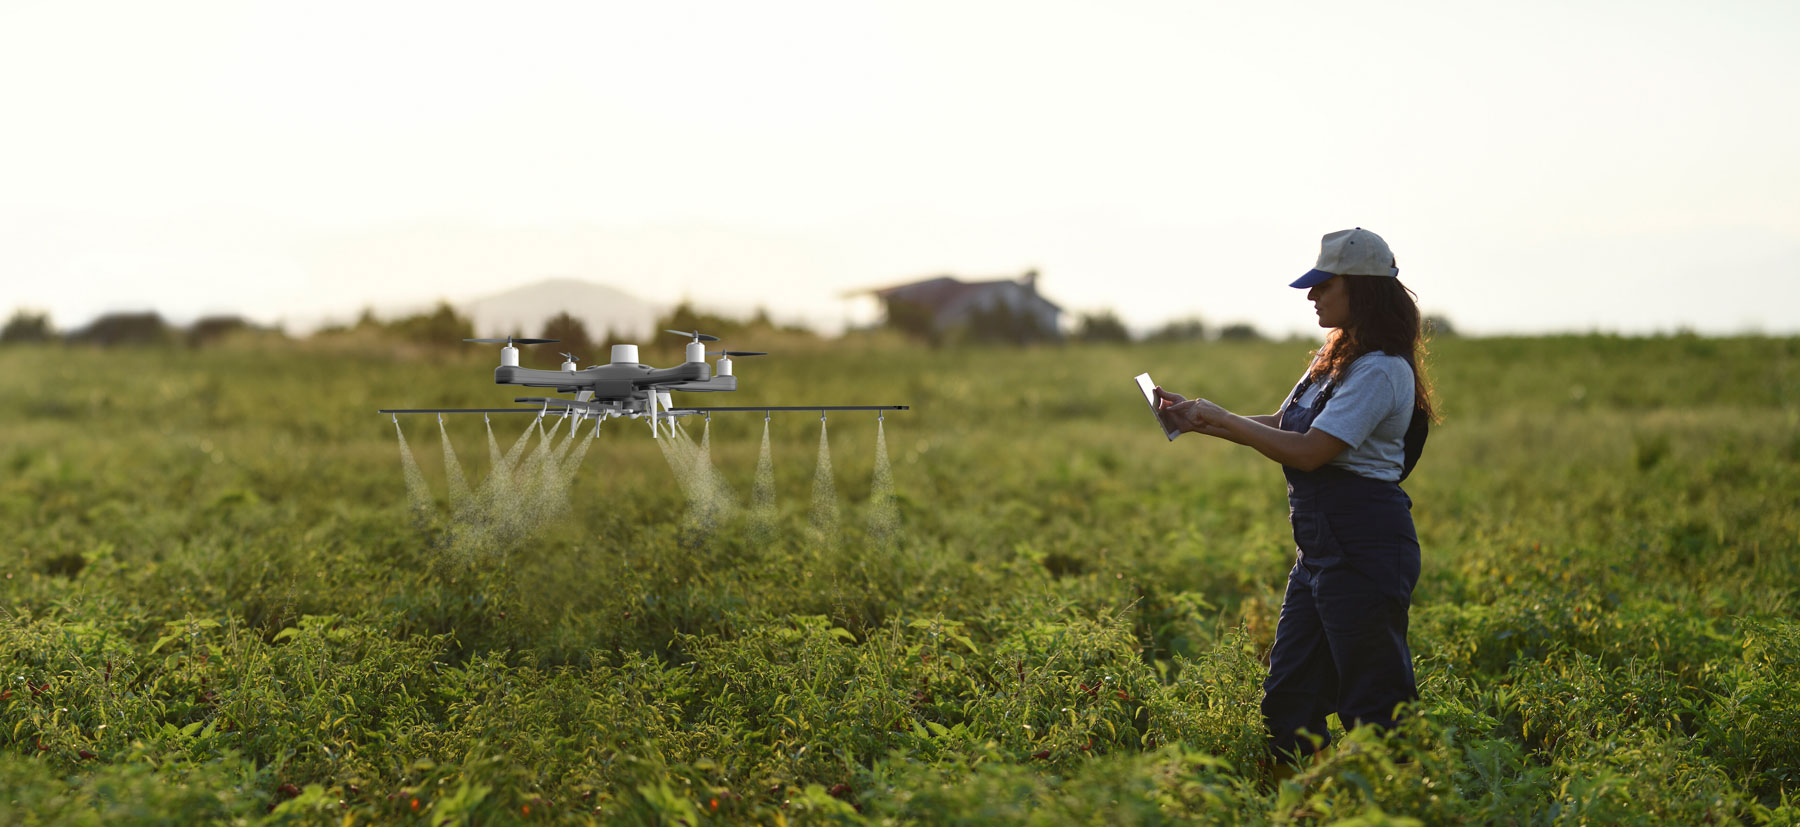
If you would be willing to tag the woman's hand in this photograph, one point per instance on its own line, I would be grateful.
(1205, 413)
(1199, 416)
(1165, 402)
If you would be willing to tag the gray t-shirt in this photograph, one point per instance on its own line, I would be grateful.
(1370, 411)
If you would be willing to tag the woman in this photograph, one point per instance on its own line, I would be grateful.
(1347, 434)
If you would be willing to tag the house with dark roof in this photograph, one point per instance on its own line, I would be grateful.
(996, 309)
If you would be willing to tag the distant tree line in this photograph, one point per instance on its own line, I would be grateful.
(443, 325)
(1105, 326)
(129, 329)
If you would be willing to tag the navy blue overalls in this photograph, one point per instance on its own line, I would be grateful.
(1341, 643)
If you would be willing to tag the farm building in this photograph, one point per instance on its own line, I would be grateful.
(1000, 308)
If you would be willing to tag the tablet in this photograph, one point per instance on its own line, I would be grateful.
(1148, 386)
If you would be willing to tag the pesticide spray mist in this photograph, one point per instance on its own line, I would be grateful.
(884, 512)
(824, 495)
(525, 488)
(418, 497)
(762, 492)
(459, 484)
(710, 499)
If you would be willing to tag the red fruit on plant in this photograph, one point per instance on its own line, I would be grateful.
(1040, 755)
(839, 790)
(288, 790)
(87, 756)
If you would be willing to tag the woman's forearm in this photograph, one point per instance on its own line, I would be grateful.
(1302, 451)
(1271, 420)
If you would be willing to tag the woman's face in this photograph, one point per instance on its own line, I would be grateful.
(1331, 300)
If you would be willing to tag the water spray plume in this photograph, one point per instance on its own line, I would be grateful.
(676, 451)
(884, 513)
(459, 484)
(762, 493)
(572, 463)
(824, 496)
(418, 496)
(493, 445)
(716, 498)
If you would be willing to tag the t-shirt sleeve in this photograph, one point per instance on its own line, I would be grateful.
(1366, 396)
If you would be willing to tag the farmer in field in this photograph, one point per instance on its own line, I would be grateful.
(1346, 436)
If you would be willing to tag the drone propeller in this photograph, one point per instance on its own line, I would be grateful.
(737, 353)
(569, 356)
(513, 341)
(698, 336)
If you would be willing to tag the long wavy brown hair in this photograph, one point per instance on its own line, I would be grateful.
(1384, 316)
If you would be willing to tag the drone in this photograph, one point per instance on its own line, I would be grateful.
(626, 388)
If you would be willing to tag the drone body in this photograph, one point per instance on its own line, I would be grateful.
(625, 387)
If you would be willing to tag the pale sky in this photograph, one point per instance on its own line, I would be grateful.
(1536, 166)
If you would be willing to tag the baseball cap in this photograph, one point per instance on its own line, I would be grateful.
(1356, 252)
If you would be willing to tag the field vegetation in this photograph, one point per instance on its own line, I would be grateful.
(220, 604)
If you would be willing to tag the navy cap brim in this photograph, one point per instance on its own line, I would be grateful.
(1313, 277)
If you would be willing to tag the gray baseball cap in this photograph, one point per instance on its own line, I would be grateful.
(1356, 252)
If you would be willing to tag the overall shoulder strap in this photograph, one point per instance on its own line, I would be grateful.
(1416, 432)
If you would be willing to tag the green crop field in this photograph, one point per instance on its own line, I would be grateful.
(223, 601)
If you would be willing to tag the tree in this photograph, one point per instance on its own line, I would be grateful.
(573, 336)
(1001, 322)
(912, 318)
(1190, 329)
(685, 316)
(442, 326)
(210, 329)
(125, 329)
(1438, 326)
(1240, 332)
(1103, 326)
(27, 326)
